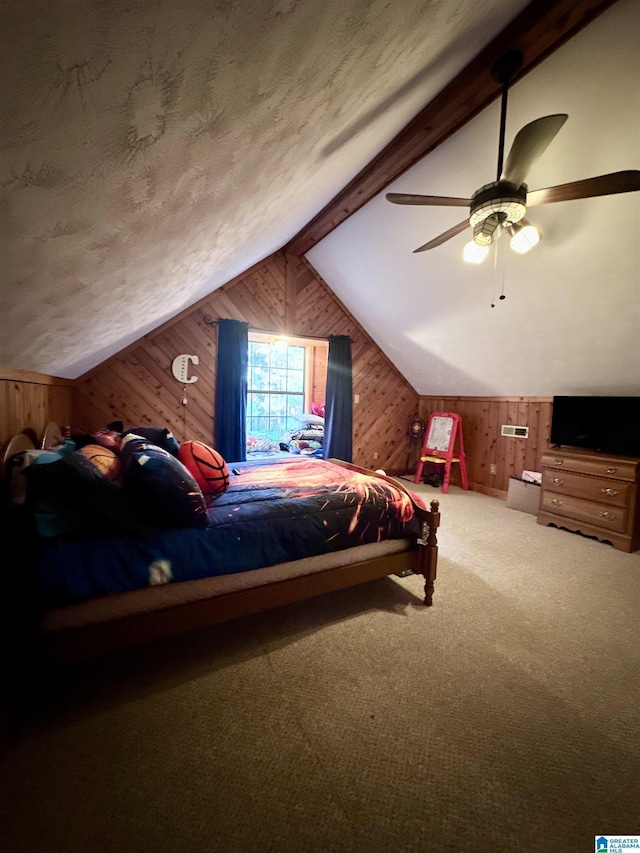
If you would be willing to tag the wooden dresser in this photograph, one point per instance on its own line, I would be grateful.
(592, 493)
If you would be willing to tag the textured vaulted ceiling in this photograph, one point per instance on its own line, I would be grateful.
(153, 150)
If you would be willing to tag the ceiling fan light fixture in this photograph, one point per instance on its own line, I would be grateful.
(488, 230)
(524, 237)
(474, 253)
(498, 198)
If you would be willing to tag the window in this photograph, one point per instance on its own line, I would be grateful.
(285, 375)
(276, 385)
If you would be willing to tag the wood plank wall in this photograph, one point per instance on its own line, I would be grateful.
(319, 374)
(281, 294)
(30, 401)
(137, 386)
(482, 418)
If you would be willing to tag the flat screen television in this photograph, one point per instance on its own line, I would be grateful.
(606, 424)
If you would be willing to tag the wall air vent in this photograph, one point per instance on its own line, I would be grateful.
(515, 431)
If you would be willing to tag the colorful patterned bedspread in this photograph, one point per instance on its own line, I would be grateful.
(273, 511)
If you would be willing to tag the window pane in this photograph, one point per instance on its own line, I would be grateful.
(295, 381)
(259, 404)
(279, 355)
(276, 387)
(295, 403)
(259, 378)
(278, 406)
(296, 358)
(277, 380)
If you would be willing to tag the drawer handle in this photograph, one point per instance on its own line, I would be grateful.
(609, 516)
(556, 502)
(559, 461)
(610, 492)
(611, 470)
(557, 481)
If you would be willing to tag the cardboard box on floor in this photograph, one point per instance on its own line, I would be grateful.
(523, 495)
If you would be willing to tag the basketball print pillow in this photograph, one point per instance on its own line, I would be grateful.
(104, 459)
(206, 465)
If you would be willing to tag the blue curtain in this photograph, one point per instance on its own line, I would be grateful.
(338, 426)
(231, 390)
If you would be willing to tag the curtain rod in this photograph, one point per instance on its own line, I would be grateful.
(210, 321)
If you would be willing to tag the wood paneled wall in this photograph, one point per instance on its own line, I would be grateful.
(482, 419)
(281, 294)
(319, 374)
(31, 401)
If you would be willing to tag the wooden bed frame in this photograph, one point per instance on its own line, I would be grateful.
(66, 645)
(73, 644)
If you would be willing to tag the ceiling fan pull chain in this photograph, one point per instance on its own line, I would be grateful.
(501, 273)
(494, 277)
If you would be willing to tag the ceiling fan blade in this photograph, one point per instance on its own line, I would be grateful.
(442, 238)
(530, 143)
(433, 200)
(616, 182)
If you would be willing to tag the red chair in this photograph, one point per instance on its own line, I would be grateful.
(443, 445)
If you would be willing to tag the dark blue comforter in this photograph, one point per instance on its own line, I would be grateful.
(274, 511)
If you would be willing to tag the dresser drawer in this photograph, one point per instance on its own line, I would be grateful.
(622, 469)
(608, 492)
(609, 518)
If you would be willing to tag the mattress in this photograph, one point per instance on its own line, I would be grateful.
(121, 604)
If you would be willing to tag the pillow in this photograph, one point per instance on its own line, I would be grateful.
(163, 487)
(70, 497)
(207, 466)
(318, 409)
(105, 460)
(16, 486)
(310, 434)
(162, 437)
(52, 454)
(309, 419)
(108, 437)
(52, 496)
(261, 444)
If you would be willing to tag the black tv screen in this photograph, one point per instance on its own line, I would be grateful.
(607, 424)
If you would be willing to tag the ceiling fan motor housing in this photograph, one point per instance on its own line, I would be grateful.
(495, 204)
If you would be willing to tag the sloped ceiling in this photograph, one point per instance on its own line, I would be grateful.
(570, 319)
(151, 151)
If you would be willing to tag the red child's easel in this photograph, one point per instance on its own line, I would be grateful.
(444, 431)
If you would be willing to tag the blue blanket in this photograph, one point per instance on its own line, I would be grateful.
(273, 512)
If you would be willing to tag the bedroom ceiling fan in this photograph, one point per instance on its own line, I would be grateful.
(501, 205)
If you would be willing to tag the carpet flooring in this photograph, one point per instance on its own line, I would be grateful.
(504, 718)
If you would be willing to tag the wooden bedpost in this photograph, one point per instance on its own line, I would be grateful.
(428, 550)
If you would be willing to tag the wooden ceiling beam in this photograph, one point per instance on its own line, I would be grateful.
(541, 28)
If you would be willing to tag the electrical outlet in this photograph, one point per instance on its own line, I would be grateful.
(376, 455)
(493, 469)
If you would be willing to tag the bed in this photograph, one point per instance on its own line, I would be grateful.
(281, 530)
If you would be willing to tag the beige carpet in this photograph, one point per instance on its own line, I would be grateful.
(505, 718)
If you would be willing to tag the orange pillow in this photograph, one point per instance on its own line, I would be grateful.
(205, 465)
(104, 459)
